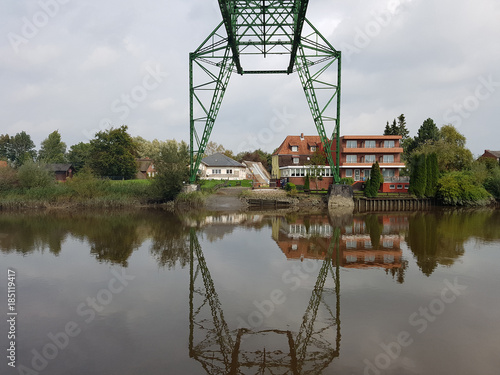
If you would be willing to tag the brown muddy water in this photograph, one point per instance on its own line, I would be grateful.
(150, 292)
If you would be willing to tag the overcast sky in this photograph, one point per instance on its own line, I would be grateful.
(66, 64)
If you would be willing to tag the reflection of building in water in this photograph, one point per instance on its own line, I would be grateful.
(367, 241)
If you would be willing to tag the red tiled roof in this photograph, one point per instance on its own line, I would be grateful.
(304, 145)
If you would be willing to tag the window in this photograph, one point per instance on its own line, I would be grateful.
(295, 148)
(351, 158)
(302, 172)
(216, 171)
(368, 244)
(369, 258)
(313, 148)
(351, 258)
(367, 173)
(295, 160)
(388, 144)
(407, 186)
(388, 244)
(388, 258)
(328, 172)
(370, 159)
(352, 144)
(229, 171)
(348, 172)
(370, 144)
(351, 244)
(388, 173)
(400, 187)
(391, 186)
(388, 159)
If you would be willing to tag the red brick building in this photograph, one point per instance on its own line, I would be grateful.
(491, 154)
(292, 160)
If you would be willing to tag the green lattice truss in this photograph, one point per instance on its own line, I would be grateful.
(278, 30)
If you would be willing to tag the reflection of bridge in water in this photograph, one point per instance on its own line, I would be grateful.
(221, 350)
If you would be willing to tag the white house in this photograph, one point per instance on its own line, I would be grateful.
(220, 167)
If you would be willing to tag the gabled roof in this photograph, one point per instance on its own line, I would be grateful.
(494, 153)
(58, 167)
(143, 164)
(304, 145)
(220, 160)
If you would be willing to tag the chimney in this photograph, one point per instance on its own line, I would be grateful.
(301, 136)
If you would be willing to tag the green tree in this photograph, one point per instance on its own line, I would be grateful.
(387, 130)
(418, 176)
(34, 175)
(307, 184)
(432, 170)
(402, 130)
(4, 146)
(257, 155)
(172, 167)
(113, 153)
(428, 131)
(213, 148)
(78, 155)
(373, 183)
(52, 149)
(20, 149)
(450, 149)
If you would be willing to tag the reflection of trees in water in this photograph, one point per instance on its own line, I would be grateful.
(170, 239)
(437, 238)
(26, 234)
(112, 237)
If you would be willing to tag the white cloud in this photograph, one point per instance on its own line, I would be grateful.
(101, 57)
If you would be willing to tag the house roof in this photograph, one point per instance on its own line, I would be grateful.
(143, 164)
(58, 167)
(363, 137)
(304, 143)
(494, 153)
(220, 160)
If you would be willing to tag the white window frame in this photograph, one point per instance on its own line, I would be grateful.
(351, 144)
(388, 159)
(348, 172)
(295, 148)
(370, 159)
(347, 157)
(296, 160)
(229, 171)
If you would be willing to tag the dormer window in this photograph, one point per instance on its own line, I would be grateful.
(295, 148)
(313, 148)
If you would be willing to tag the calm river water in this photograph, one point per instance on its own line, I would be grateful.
(150, 292)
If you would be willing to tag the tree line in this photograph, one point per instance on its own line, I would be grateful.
(441, 166)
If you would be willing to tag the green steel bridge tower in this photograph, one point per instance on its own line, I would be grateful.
(273, 29)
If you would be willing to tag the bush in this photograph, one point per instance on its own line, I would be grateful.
(289, 186)
(8, 179)
(86, 185)
(460, 189)
(492, 184)
(299, 187)
(33, 175)
(347, 181)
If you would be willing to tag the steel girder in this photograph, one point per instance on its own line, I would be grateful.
(266, 28)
